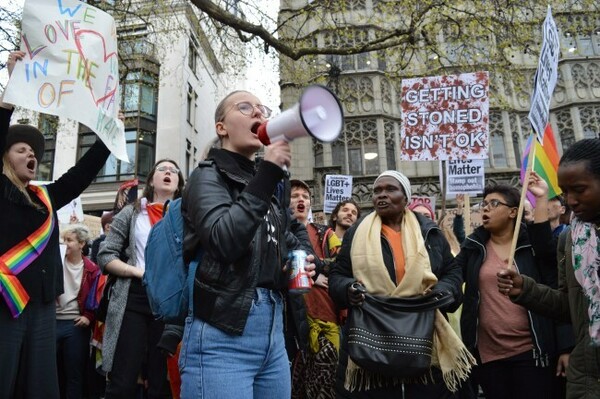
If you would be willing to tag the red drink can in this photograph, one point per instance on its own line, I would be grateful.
(300, 281)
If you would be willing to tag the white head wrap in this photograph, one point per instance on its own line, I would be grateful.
(403, 180)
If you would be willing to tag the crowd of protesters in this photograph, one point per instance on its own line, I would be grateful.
(527, 329)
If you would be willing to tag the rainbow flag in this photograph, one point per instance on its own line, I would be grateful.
(545, 162)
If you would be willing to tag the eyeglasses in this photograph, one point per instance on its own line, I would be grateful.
(171, 169)
(247, 108)
(493, 204)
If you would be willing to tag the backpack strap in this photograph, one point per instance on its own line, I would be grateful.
(205, 163)
(191, 278)
(166, 207)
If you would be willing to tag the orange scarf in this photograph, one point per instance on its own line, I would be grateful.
(155, 212)
(394, 238)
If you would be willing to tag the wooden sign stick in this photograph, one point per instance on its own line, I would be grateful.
(513, 245)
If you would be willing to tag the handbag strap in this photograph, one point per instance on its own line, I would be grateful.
(430, 301)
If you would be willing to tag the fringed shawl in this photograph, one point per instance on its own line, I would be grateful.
(449, 353)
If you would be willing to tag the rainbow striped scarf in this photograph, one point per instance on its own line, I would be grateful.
(21, 255)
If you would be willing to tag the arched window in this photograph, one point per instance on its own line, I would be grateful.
(497, 147)
(516, 139)
(390, 144)
(48, 125)
(565, 127)
(357, 151)
(318, 151)
(590, 121)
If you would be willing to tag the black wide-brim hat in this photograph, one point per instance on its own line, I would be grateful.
(26, 134)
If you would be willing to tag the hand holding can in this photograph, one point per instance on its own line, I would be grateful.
(299, 280)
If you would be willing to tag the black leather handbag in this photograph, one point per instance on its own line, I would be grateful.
(394, 336)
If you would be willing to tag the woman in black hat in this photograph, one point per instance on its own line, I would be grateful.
(30, 263)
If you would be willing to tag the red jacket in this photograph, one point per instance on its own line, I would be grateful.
(318, 303)
(89, 281)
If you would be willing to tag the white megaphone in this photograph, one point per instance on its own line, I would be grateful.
(318, 114)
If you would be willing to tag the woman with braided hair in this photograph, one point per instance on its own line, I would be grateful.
(577, 299)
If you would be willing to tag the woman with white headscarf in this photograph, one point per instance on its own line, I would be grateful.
(395, 252)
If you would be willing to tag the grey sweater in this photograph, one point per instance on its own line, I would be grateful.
(120, 236)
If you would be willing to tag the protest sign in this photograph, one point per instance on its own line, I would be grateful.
(71, 213)
(337, 188)
(422, 199)
(465, 176)
(445, 117)
(545, 77)
(70, 67)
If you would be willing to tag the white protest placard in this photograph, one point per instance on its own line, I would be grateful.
(70, 67)
(445, 117)
(545, 77)
(71, 213)
(465, 177)
(337, 188)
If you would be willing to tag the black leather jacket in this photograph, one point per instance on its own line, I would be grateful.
(242, 227)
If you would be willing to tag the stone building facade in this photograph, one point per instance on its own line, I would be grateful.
(371, 99)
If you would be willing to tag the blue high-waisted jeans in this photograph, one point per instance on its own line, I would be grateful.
(255, 365)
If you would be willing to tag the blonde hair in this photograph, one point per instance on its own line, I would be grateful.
(220, 112)
(223, 106)
(81, 231)
(9, 172)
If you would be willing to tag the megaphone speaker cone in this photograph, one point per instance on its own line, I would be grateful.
(318, 114)
(321, 113)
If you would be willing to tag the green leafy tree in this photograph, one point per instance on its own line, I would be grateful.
(414, 37)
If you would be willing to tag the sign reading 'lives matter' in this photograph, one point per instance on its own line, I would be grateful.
(465, 176)
(70, 67)
(445, 117)
(337, 188)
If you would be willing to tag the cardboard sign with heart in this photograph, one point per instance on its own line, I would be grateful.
(71, 68)
(92, 50)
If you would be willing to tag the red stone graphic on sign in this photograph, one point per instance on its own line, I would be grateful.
(445, 117)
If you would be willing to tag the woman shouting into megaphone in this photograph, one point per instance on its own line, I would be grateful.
(233, 343)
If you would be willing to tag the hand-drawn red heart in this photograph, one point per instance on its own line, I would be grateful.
(105, 56)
